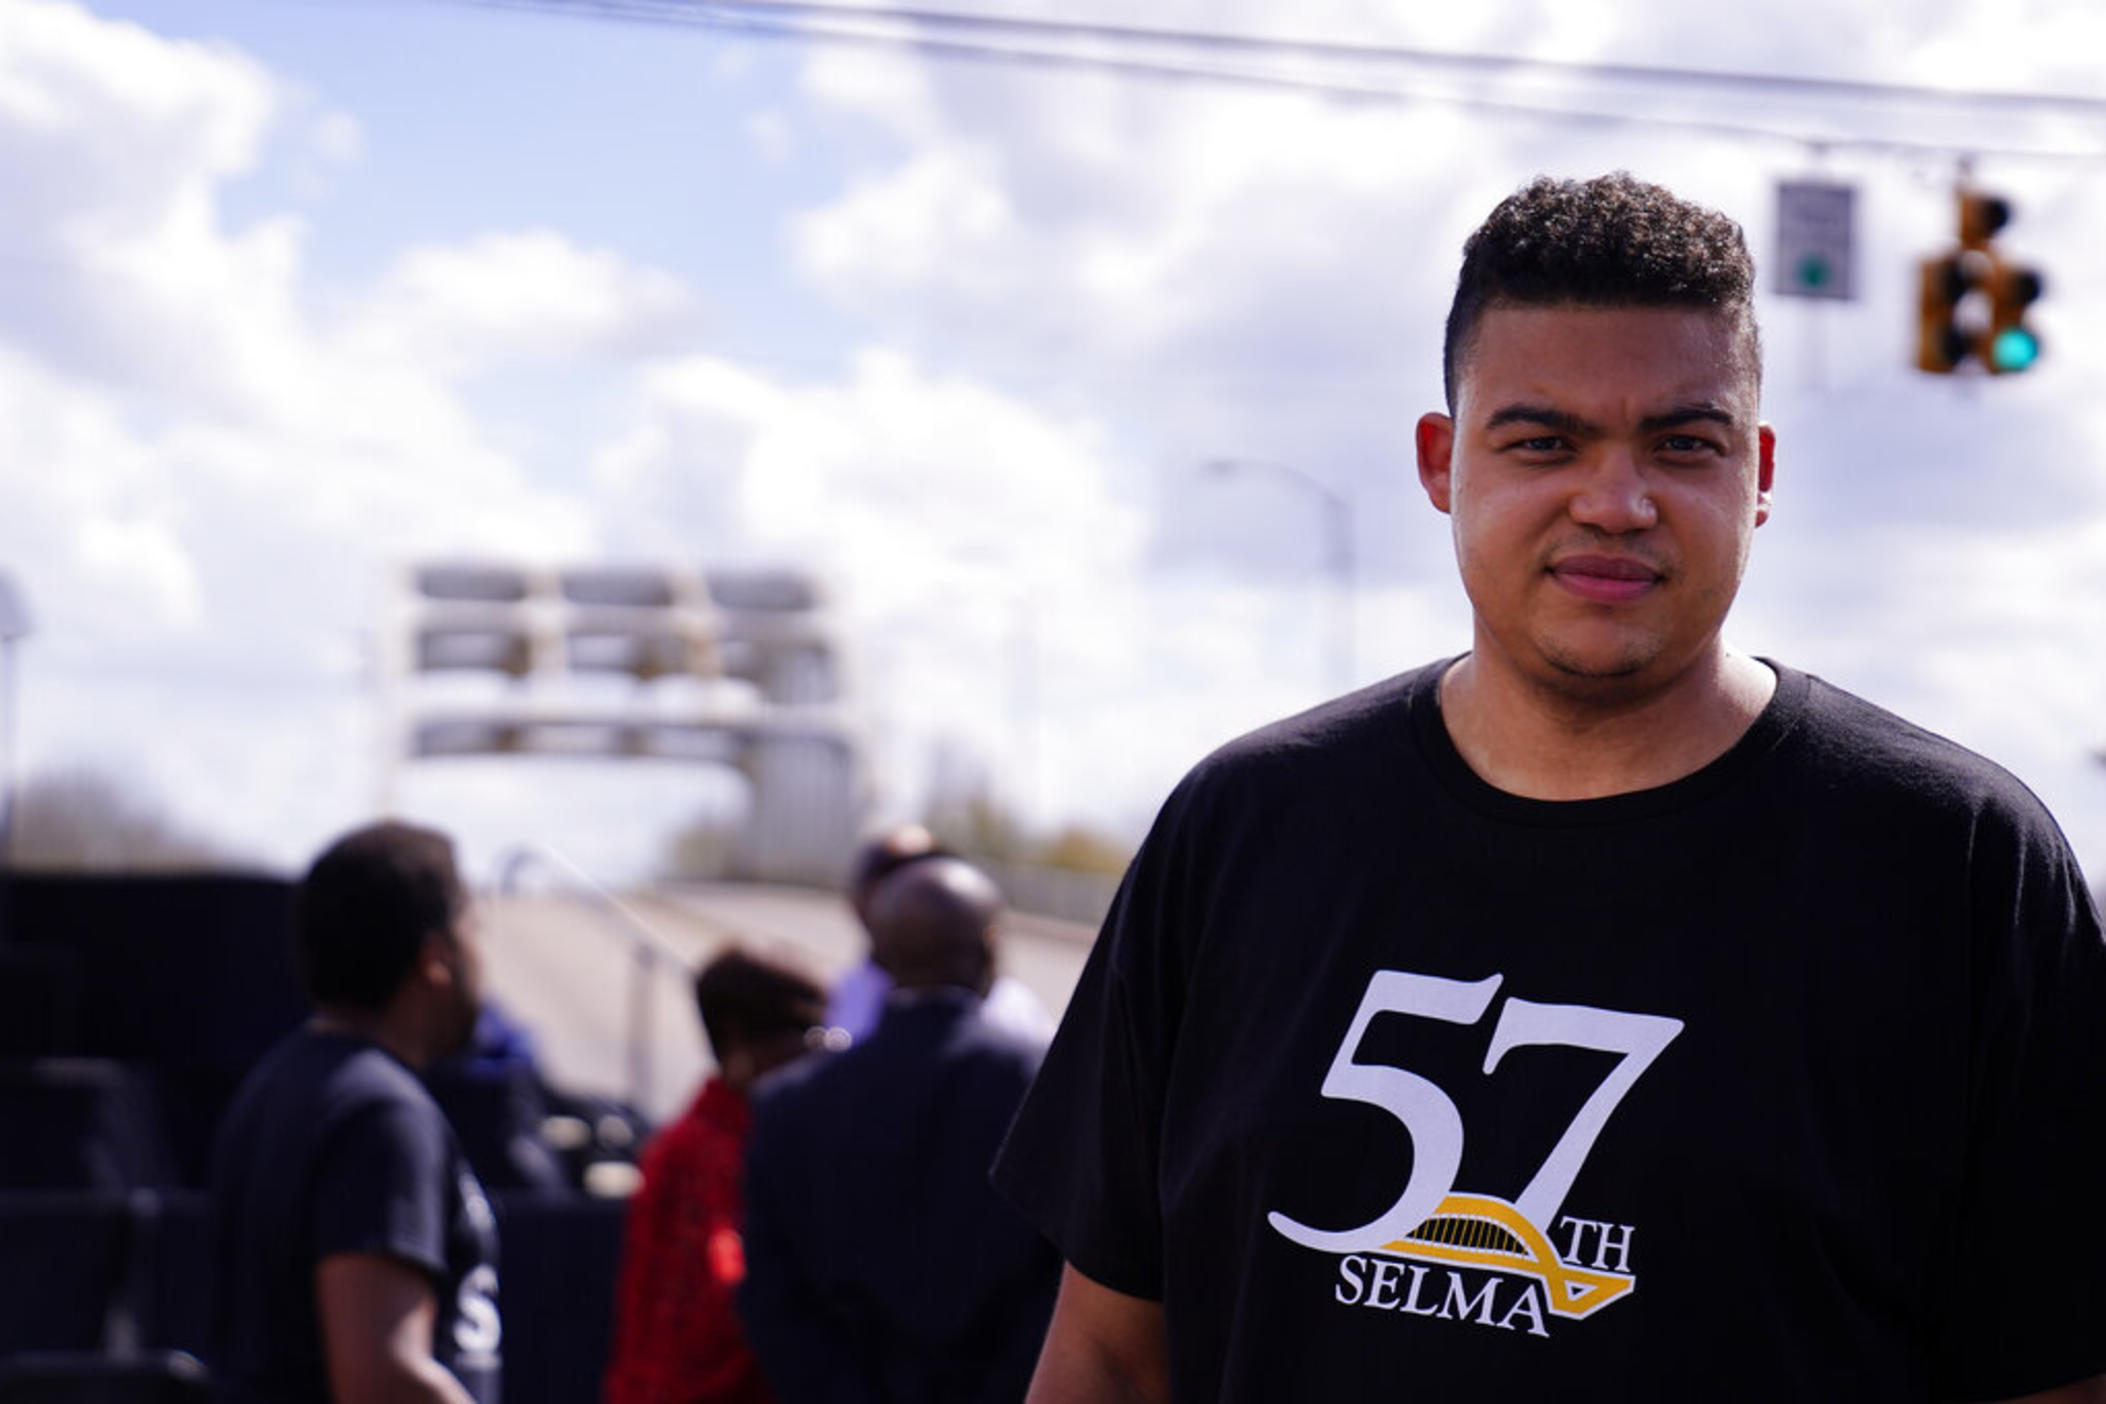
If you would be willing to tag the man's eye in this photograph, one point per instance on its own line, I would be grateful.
(1542, 443)
(1682, 444)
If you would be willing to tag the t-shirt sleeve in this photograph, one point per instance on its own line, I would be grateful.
(381, 1187)
(2026, 1302)
(1081, 1159)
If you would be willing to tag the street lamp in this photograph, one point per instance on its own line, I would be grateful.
(1338, 552)
(14, 624)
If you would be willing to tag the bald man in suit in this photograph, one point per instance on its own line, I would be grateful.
(881, 1265)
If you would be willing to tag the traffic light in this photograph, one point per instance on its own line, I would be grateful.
(2013, 346)
(1981, 216)
(1941, 342)
(1971, 304)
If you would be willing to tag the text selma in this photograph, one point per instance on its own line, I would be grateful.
(1390, 1284)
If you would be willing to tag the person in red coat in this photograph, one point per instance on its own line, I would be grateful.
(677, 1334)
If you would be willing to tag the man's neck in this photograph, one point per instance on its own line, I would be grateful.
(383, 1027)
(928, 991)
(1586, 743)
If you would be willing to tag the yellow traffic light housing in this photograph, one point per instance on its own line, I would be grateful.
(1981, 216)
(1971, 304)
(1941, 342)
(2012, 345)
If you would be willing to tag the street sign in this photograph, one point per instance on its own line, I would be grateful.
(1814, 223)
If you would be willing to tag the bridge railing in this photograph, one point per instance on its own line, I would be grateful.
(649, 952)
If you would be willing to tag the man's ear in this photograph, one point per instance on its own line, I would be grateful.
(435, 958)
(1436, 445)
(1765, 470)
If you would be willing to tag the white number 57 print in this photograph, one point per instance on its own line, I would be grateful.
(1430, 1116)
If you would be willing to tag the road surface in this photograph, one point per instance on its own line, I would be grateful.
(566, 968)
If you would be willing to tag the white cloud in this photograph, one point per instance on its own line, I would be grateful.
(1069, 290)
(864, 84)
(1265, 276)
(207, 470)
(79, 487)
(142, 556)
(114, 143)
(941, 508)
(895, 474)
(993, 575)
(534, 294)
(122, 97)
(941, 217)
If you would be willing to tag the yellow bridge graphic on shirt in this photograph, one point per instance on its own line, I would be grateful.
(1477, 1230)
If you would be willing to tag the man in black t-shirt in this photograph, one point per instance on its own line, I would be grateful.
(1602, 1014)
(357, 1253)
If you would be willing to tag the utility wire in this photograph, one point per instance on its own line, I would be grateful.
(1427, 58)
(754, 17)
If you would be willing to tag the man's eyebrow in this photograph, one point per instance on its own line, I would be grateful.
(1543, 416)
(1701, 412)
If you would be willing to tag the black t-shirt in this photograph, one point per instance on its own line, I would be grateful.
(1783, 1081)
(333, 1146)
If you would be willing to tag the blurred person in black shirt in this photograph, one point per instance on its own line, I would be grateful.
(357, 1252)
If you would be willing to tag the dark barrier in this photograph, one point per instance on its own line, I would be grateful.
(558, 1257)
(87, 1278)
(93, 1272)
(82, 1124)
(39, 1001)
(64, 1262)
(159, 1378)
(174, 969)
(174, 1275)
(497, 1114)
(192, 975)
(188, 981)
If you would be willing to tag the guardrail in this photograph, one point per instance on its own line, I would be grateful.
(649, 952)
(1064, 893)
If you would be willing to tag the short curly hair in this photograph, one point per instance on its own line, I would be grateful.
(745, 998)
(1613, 241)
(365, 908)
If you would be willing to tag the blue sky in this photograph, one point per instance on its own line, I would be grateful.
(290, 292)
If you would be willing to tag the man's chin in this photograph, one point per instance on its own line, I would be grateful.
(460, 1039)
(1591, 670)
(1606, 665)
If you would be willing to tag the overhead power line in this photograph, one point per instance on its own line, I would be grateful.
(1332, 50)
(947, 34)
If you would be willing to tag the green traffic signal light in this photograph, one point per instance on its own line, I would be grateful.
(2013, 349)
(2013, 346)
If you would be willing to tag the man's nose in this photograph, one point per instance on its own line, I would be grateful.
(1613, 495)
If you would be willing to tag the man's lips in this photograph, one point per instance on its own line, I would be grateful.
(1605, 579)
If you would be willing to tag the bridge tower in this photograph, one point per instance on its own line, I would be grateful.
(731, 668)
